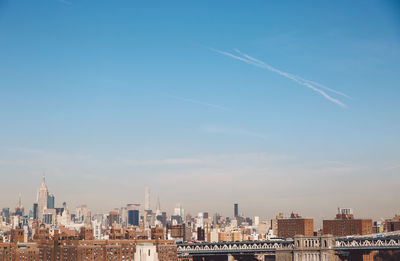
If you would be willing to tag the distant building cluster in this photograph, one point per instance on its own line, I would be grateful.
(49, 232)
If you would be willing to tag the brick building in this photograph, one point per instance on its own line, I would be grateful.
(67, 250)
(113, 218)
(178, 232)
(229, 236)
(392, 224)
(295, 225)
(157, 233)
(345, 225)
(17, 235)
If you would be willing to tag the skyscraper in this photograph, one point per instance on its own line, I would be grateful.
(133, 214)
(42, 198)
(235, 210)
(19, 210)
(158, 207)
(133, 217)
(50, 201)
(35, 211)
(147, 199)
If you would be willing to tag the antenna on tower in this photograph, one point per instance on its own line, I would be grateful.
(44, 177)
(147, 199)
(158, 207)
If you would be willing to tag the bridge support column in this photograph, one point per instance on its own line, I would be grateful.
(368, 256)
(231, 258)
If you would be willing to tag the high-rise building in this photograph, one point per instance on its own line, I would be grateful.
(5, 213)
(113, 218)
(147, 199)
(148, 218)
(164, 218)
(200, 234)
(200, 220)
(179, 211)
(96, 225)
(133, 217)
(235, 210)
(42, 198)
(216, 219)
(35, 211)
(83, 214)
(19, 210)
(50, 201)
(158, 207)
(49, 216)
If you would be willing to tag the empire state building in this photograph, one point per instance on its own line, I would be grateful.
(42, 198)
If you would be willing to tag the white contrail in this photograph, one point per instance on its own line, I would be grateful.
(261, 64)
(296, 76)
(235, 57)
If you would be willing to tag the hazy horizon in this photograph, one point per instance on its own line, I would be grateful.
(279, 107)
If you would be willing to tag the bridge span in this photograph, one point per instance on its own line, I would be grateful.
(300, 248)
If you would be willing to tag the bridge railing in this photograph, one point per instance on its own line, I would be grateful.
(391, 242)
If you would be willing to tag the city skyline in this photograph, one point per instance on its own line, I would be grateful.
(58, 233)
(206, 103)
(144, 207)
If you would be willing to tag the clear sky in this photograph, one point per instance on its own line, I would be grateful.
(107, 97)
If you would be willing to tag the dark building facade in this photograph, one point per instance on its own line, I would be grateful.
(35, 211)
(235, 210)
(50, 201)
(133, 217)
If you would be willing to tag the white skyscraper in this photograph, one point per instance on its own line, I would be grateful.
(200, 220)
(179, 211)
(42, 197)
(147, 199)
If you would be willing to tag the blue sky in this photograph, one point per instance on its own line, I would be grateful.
(107, 96)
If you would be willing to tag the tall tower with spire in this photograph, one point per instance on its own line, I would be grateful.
(158, 207)
(42, 197)
(147, 199)
(19, 201)
(19, 210)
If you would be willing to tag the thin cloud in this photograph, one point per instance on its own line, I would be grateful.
(244, 159)
(392, 167)
(218, 107)
(158, 162)
(252, 61)
(64, 2)
(234, 131)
